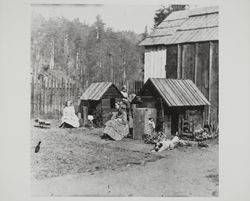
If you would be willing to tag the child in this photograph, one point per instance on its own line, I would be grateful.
(150, 133)
(151, 124)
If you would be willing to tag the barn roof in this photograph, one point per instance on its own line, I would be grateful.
(193, 25)
(96, 90)
(177, 92)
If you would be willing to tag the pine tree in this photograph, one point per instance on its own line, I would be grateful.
(164, 11)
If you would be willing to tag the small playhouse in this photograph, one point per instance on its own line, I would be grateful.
(99, 100)
(177, 105)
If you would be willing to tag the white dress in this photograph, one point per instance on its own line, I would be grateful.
(70, 117)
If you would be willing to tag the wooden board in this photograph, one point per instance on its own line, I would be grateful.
(112, 92)
(188, 61)
(167, 125)
(203, 68)
(171, 68)
(179, 61)
(214, 85)
(85, 115)
(197, 117)
(106, 102)
(140, 121)
(202, 72)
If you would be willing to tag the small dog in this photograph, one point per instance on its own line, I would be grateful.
(175, 140)
(90, 121)
(163, 145)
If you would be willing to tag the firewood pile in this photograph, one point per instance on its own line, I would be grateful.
(208, 132)
(42, 123)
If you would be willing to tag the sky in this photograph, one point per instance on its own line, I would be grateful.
(119, 17)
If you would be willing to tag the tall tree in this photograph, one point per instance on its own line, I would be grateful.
(164, 11)
(99, 26)
(86, 53)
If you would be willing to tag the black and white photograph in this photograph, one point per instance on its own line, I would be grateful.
(124, 100)
(122, 104)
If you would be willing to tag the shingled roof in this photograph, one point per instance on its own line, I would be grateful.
(96, 90)
(177, 92)
(193, 25)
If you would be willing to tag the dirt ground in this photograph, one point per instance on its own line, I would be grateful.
(77, 162)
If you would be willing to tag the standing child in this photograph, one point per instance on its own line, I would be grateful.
(151, 131)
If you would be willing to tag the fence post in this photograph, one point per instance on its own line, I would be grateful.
(85, 115)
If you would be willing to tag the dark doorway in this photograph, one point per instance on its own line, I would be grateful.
(112, 103)
(175, 123)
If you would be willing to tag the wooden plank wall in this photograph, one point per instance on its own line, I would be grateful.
(171, 70)
(203, 68)
(188, 61)
(140, 121)
(214, 84)
(112, 92)
(106, 109)
(155, 62)
(133, 86)
(198, 62)
(48, 97)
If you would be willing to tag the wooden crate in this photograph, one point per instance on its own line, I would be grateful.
(140, 121)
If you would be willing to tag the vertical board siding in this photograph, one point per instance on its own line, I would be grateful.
(146, 64)
(214, 86)
(179, 59)
(202, 73)
(188, 61)
(171, 68)
(133, 86)
(192, 62)
(196, 62)
(49, 95)
(155, 62)
(203, 68)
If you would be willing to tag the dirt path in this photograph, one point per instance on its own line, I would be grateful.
(186, 171)
(189, 173)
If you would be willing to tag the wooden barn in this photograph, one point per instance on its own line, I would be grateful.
(185, 46)
(179, 104)
(99, 99)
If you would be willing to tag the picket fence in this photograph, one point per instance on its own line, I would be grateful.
(49, 95)
(132, 86)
